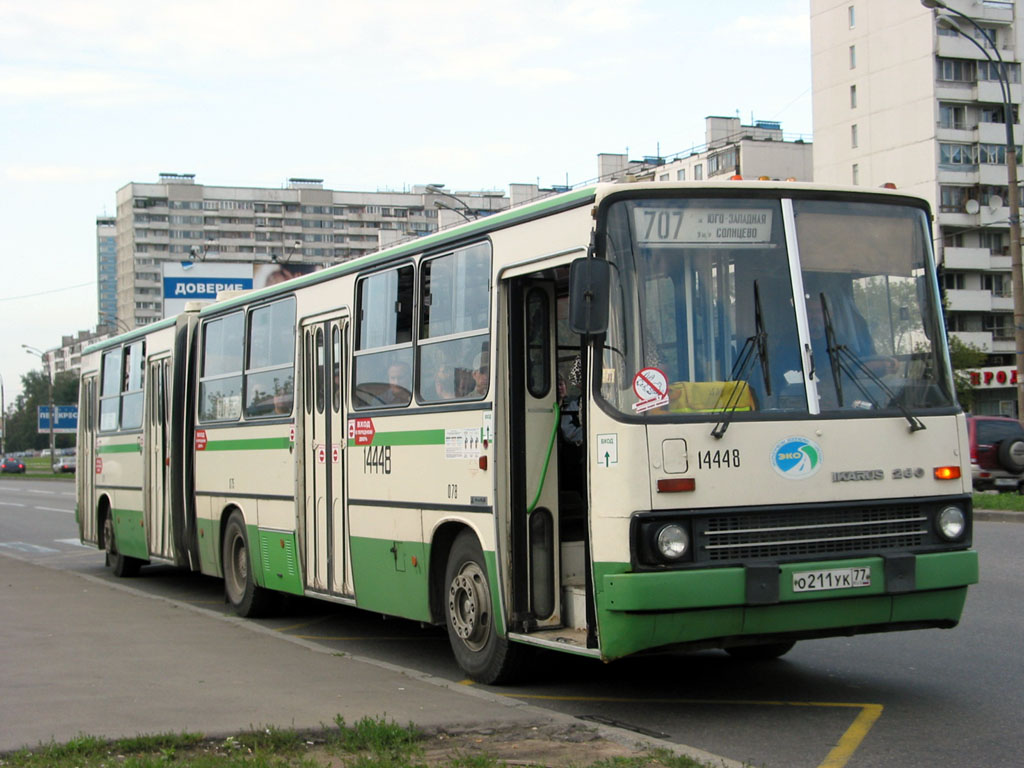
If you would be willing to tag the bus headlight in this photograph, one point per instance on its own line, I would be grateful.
(672, 541)
(951, 523)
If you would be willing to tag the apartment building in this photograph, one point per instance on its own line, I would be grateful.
(106, 270)
(730, 149)
(177, 220)
(911, 95)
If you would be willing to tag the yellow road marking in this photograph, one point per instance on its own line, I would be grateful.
(837, 758)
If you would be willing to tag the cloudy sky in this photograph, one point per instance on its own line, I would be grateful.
(368, 95)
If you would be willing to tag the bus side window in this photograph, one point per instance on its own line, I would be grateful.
(454, 359)
(382, 361)
(220, 384)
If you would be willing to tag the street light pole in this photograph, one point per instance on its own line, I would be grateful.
(49, 391)
(1012, 192)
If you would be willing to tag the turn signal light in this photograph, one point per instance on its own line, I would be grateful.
(676, 484)
(947, 473)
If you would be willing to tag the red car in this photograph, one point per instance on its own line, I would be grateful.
(12, 465)
(997, 453)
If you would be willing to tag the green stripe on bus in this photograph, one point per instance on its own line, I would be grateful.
(411, 437)
(122, 448)
(249, 444)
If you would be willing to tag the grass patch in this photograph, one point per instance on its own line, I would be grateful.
(1007, 501)
(368, 743)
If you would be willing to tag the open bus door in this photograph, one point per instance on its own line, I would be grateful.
(322, 518)
(533, 452)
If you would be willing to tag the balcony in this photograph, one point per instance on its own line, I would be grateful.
(966, 258)
(968, 301)
(1003, 344)
(980, 339)
(1002, 303)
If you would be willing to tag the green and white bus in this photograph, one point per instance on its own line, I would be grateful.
(627, 418)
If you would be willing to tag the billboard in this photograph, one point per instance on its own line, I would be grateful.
(201, 281)
(65, 424)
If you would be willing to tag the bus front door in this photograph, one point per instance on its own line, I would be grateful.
(322, 517)
(533, 389)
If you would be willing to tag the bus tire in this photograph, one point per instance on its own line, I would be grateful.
(122, 565)
(478, 648)
(765, 652)
(240, 589)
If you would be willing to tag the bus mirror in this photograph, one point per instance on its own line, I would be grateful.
(589, 281)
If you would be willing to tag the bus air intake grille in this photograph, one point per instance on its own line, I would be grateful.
(807, 533)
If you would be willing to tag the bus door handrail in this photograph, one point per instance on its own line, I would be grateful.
(557, 411)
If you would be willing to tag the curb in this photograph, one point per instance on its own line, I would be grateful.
(998, 516)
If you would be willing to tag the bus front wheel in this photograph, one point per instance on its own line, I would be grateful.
(121, 565)
(479, 649)
(240, 588)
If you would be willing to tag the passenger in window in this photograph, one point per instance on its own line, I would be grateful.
(399, 383)
(444, 382)
(282, 403)
(481, 375)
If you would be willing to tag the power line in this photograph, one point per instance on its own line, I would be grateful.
(44, 293)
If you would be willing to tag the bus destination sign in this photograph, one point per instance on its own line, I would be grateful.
(694, 226)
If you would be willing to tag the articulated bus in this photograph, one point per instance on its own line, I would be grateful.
(627, 418)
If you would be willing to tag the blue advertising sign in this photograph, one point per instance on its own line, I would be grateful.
(66, 422)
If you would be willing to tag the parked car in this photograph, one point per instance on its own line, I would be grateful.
(65, 464)
(997, 453)
(12, 465)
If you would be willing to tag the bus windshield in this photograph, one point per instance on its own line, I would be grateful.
(710, 313)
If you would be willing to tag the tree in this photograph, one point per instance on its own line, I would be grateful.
(964, 358)
(22, 421)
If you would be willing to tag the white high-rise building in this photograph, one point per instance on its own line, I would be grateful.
(908, 95)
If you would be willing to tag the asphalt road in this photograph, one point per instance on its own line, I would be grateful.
(934, 697)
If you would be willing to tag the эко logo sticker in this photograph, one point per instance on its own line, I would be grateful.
(796, 458)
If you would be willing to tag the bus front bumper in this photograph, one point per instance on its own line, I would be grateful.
(640, 611)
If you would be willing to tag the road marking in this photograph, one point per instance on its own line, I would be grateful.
(74, 542)
(838, 757)
(54, 509)
(10, 504)
(23, 546)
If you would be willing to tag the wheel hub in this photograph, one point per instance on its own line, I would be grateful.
(468, 606)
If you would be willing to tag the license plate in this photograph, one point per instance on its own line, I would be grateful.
(1007, 482)
(837, 578)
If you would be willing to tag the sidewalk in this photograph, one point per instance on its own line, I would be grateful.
(84, 656)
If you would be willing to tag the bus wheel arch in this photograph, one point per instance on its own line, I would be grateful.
(121, 565)
(480, 649)
(241, 591)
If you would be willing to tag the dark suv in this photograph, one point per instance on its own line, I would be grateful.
(997, 453)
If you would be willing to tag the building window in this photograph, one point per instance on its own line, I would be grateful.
(953, 281)
(851, 12)
(853, 57)
(853, 136)
(998, 285)
(853, 97)
(681, 174)
(958, 154)
(952, 116)
(957, 70)
(698, 172)
(952, 199)
(855, 174)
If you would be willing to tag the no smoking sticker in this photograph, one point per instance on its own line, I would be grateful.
(651, 388)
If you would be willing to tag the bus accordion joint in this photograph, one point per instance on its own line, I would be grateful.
(947, 473)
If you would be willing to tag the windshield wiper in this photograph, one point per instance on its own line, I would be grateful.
(845, 360)
(756, 344)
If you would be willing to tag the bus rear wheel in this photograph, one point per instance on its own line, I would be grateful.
(479, 649)
(245, 596)
(764, 652)
(122, 565)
